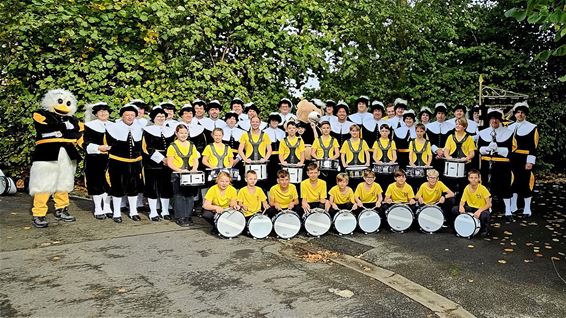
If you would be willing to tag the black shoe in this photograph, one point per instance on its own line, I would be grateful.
(135, 218)
(109, 215)
(167, 217)
(100, 217)
(484, 233)
(155, 219)
(39, 222)
(509, 218)
(63, 215)
(117, 219)
(526, 216)
(190, 220)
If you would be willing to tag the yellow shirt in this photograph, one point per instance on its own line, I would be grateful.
(384, 143)
(251, 202)
(248, 148)
(467, 146)
(285, 151)
(432, 195)
(284, 198)
(177, 161)
(212, 159)
(313, 193)
(402, 195)
(476, 199)
(368, 195)
(355, 145)
(326, 143)
(215, 196)
(425, 155)
(340, 198)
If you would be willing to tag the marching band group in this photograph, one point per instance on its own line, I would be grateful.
(346, 161)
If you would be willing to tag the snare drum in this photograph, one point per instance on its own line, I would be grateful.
(466, 225)
(192, 179)
(286, 224)
(230, 223)
(213, 173)
(356, 172)
(455, 168)
(317, 222)
(259, 167)
(328, 165)
(7, 185)
(369, 221)
(345, 222)
(385, 168)
(295, 172)
(430, 218)
(417, 171)
(259, 226)
(399, 217)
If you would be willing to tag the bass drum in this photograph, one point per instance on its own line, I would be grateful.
(286, 224)
(317, 222)
(259, 226)
(230, 223)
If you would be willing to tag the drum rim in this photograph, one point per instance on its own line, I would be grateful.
(283, 212)
(306, 218)
(219, 215)
(258, 215)
(477, 223)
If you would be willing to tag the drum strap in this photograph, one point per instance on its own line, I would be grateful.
(292, 158)
(384, 151)
(356, 153)
(186, 158)
(419, 154)
(255, 145)
(459, 153)
(326, 150)
(220, 158)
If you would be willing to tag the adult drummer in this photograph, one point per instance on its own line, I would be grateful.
(438, 132)
(496, 143)
(384, 152)
(255, 145)
(523, 158)
(460, 112)
(460, 145)
(341, 126)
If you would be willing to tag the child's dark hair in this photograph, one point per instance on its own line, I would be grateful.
(282, 174)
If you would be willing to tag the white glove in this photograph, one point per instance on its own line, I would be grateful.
(69, 125)
(492, 146)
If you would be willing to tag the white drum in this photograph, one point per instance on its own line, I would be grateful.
(466, 225)
(385, 168)
(192, 179)
(356, 172)
(430, 218)
(317, 222)
(417, 171)
(259, 226)
(286, 224)
(230, 223)
(295, 172)
(7, 186)
(345, 222)
(259, 167)
(455, 168)
(213, 173)
(399, 217)
(369, 221)
(328, 165)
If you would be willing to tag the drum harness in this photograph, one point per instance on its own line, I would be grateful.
(326, 150)
(186, 158)
(255, 145)
(384, 151)
(459, 153)
(220, 158)
(355, 161)
(419, 154)
(292, 158)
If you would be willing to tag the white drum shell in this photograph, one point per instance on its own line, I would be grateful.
(399, 217)
(286, 224)
(295, 174)
(345, 222)
(466, 225)
(260, 169)
(369, 221)
(230, 223)
(192, 179)
(317, 222)
(385, 168)
(430, 218)
(454, 169)
(259, 226)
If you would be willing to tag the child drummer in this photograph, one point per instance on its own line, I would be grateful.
(283, 195)
(355, 151)
(251, 198)
(291, 148)
(476, 199)
(219, 197)
(420, 153)
(369, 194)
(255, 144)
(313, 190)
(217, 155)
(434, 191)
(400, 191)
(384, 152)
(341, 195)
(326, 147)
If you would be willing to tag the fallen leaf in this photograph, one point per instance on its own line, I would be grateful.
(538, 255)
(471, 246)
(56, 242)
(121, 290)
(45, 244)
(470, 280)
(55, 258)
(367, 269)
(27, 227)
(513, 243)
(555, 240)
(528, 261)
(529, 244)
(508, 250)
(14, 213)
(555, 258)
(342, 293)
(507, 233)
(548, 247)
(9, 237)
(502, 261)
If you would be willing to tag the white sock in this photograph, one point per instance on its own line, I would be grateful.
(527, 209)
(507, 203)
(132, 203)
(514, 202)
(97, 199)
(152, 207)
(117, 202)
(106, 199)
(164, 206)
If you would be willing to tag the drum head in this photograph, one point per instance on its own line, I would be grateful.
(430, 218)
(286, 225)
(230, 223)
(400, 218)
(260, 226)
(466, 225)
(345, 222)
(369, 221)
(317, 223)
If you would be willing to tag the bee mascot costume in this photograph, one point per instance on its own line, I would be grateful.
(55, 158)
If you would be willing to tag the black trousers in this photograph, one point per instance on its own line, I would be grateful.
(184, 201)
(95, 174)
(125, 178)
(272, 211)
(158, 183)
(484, 216)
